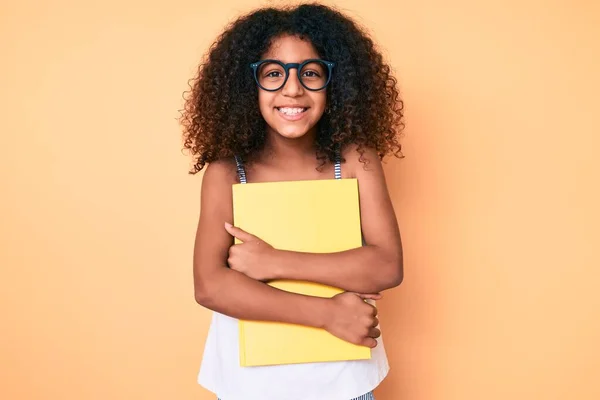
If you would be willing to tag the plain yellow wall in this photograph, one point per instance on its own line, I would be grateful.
(497, 199)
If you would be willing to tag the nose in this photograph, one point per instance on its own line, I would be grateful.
(292, 87)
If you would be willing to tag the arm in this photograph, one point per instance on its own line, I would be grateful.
(368, 269)
(227, 291)
(230, 292)
(371, 268)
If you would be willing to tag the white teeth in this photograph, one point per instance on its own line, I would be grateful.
(291, 111)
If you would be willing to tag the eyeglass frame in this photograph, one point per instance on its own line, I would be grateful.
(286, 67)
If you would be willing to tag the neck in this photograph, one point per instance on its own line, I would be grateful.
(278, 147)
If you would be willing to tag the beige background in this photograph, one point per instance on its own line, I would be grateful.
(497, 199)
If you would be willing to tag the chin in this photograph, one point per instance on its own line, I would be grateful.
(291, 129)
(292, 134)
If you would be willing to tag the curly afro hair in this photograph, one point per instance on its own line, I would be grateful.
(221, 116)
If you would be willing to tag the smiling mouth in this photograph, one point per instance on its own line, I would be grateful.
(292, 110)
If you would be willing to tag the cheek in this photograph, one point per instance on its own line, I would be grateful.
(265, 102)
(319, 101)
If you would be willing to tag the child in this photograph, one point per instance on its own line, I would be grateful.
(292, 94)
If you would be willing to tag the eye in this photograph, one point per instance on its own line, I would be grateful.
(311, 74)
(271, 70)
(273, 74)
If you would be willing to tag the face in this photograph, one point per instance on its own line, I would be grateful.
(292, 111)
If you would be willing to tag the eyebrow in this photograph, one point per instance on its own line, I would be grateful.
(299, 62)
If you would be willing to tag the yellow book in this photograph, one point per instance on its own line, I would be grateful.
(316, 216)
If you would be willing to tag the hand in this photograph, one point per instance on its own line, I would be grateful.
(354, 320)
(253, 257)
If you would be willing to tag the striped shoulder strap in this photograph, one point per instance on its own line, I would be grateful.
(337, 167)
(240, 169)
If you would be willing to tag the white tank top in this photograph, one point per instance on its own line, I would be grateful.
(222, 374)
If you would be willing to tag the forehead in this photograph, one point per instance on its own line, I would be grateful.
(291, 49)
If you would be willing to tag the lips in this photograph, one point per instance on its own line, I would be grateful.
(291, 113)
(291, 110)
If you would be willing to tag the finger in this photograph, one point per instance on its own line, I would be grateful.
(374, 310)
(369, 342)
(375, 322)
(233, 250)
(371, 296)
(374, 333)
(239, 233)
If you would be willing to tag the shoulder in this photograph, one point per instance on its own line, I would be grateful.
(221, 171)
(218, 178)
(360, 162)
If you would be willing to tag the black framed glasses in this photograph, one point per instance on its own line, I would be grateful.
(271, 75)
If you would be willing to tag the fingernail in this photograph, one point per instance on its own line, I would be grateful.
(228, 225)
